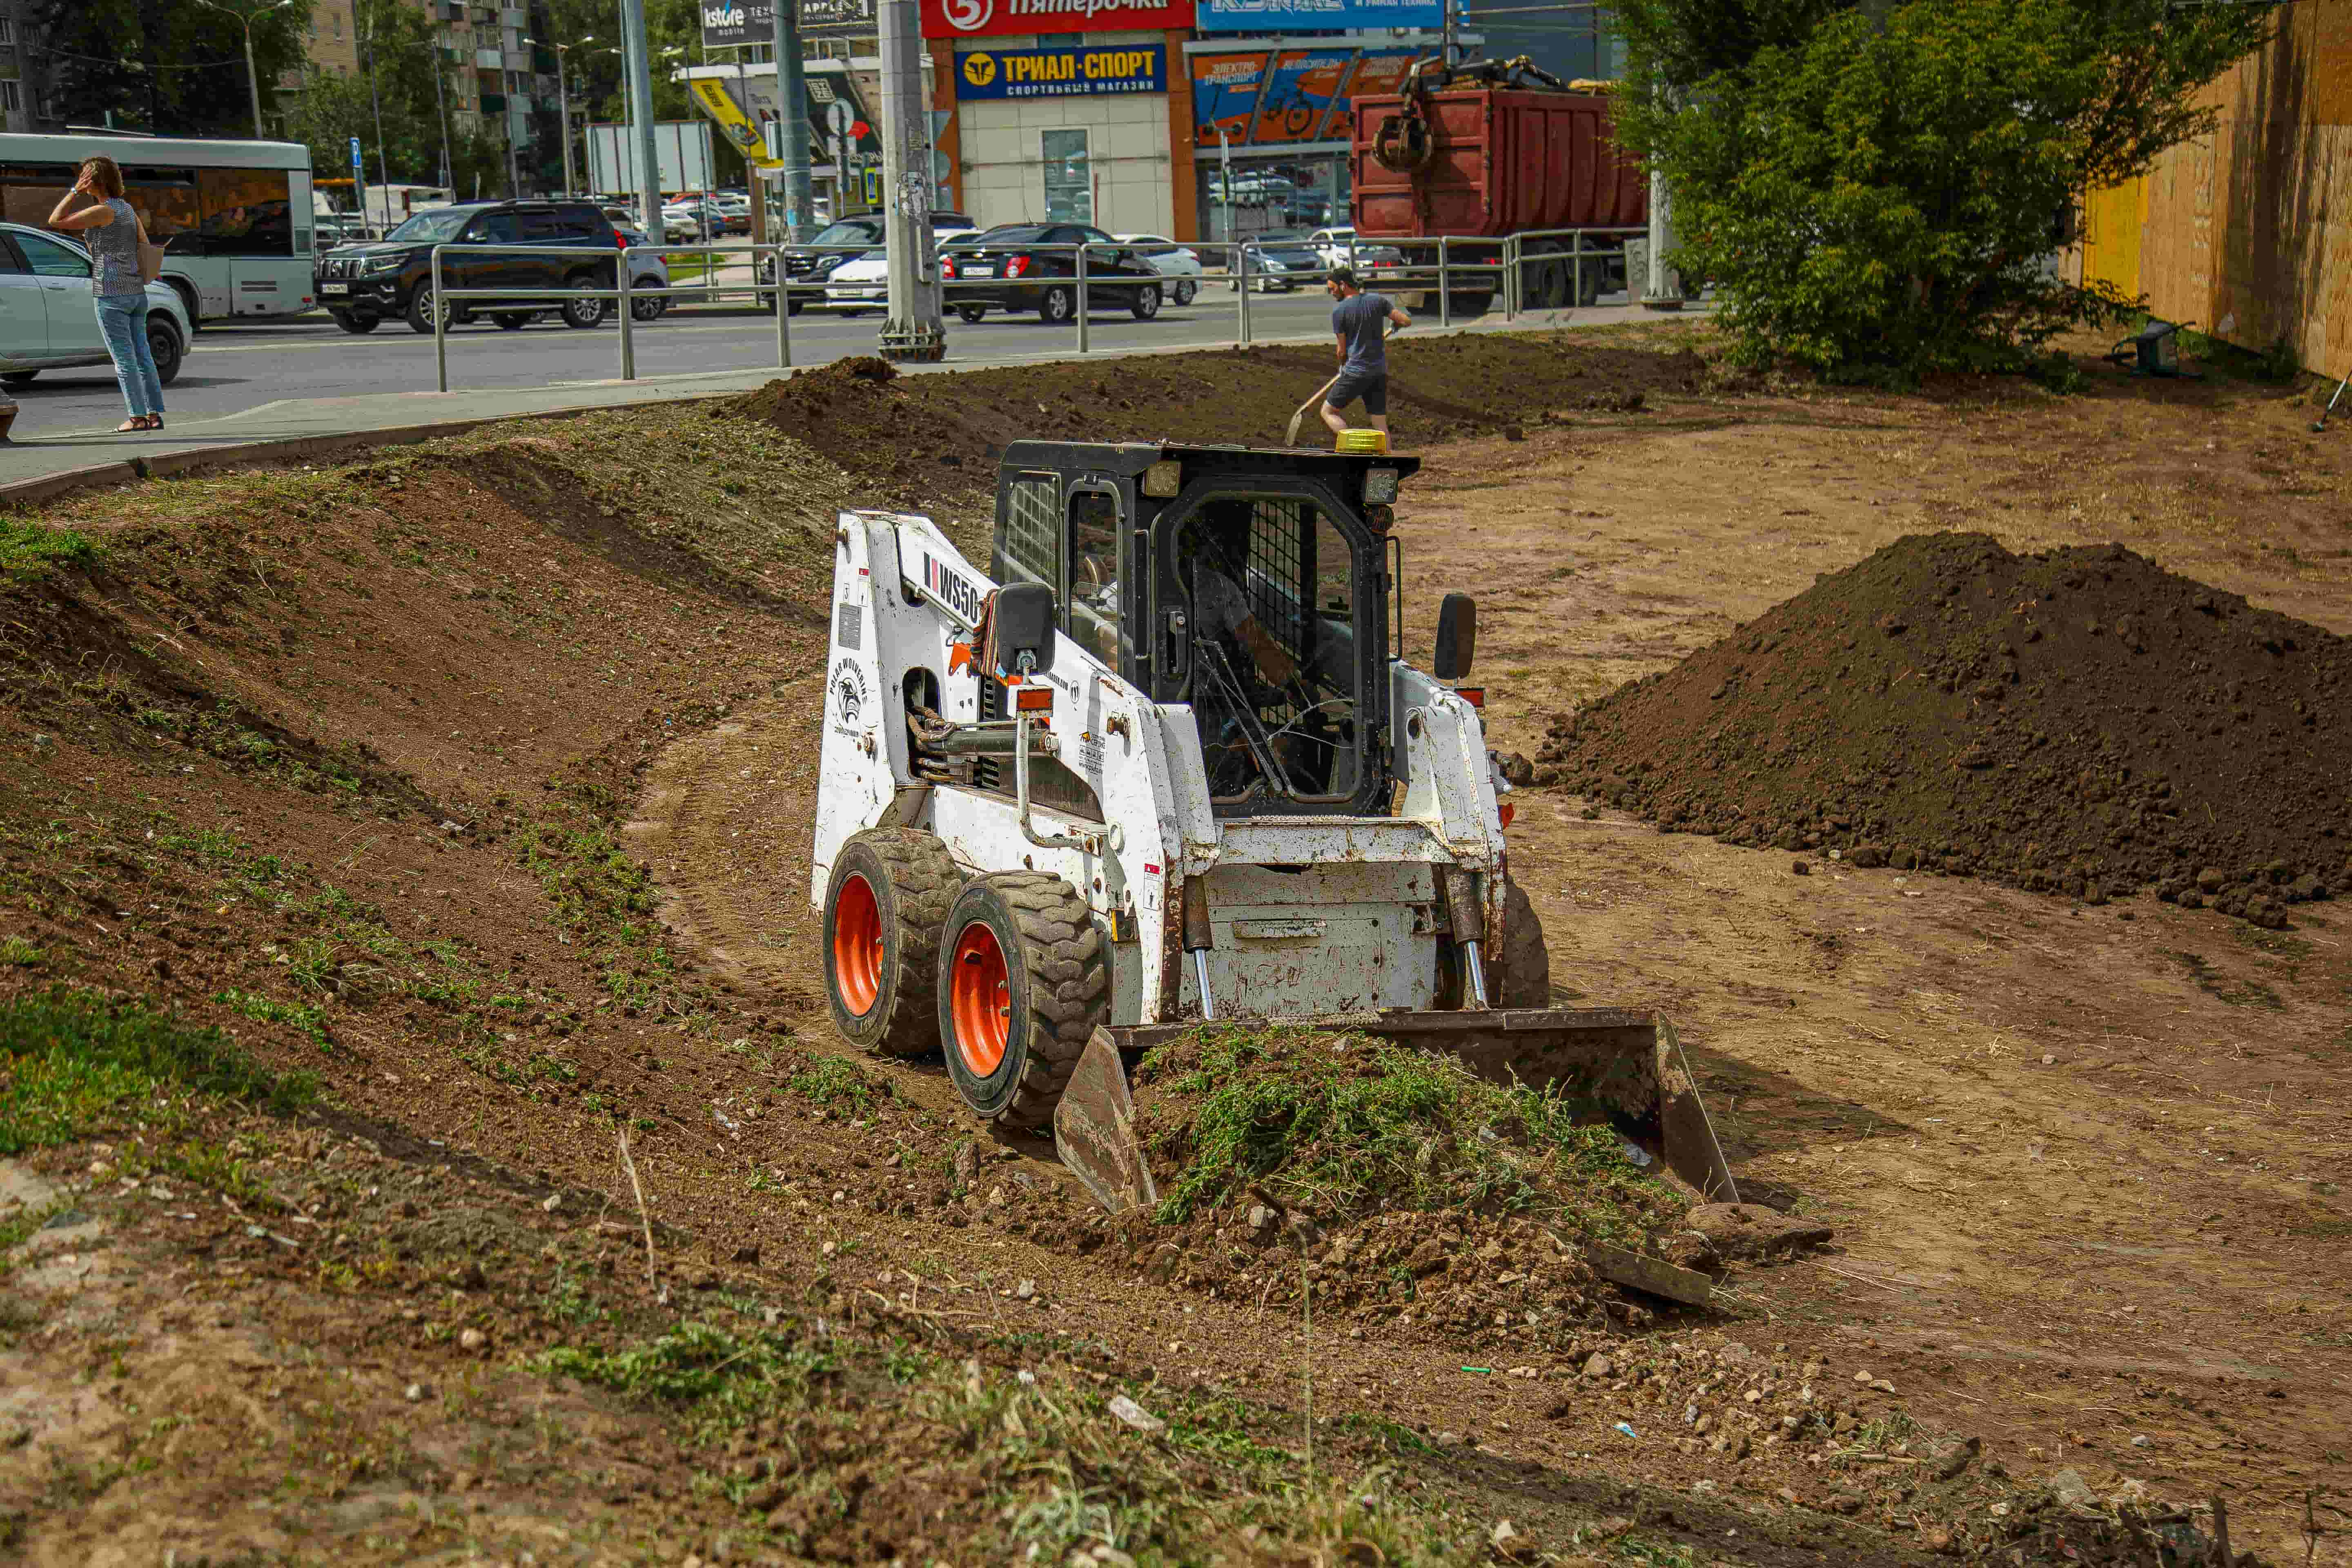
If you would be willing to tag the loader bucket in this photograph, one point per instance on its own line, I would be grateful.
(1620, 1066)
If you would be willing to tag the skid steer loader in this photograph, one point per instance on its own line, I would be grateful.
(1162, 762)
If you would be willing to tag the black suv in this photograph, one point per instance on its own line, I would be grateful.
(362, 286)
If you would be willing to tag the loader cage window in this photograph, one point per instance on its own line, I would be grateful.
(1030, 548)
(1275, 679)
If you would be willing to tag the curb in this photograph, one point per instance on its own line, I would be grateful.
(244, 454)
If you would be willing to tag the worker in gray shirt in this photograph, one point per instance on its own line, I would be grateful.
(1361, 321)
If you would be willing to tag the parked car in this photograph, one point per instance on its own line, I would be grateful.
(1281, 261)
(363, 286)
(1022, 276)
(860, 284)
(807, 268)
(683, 224)
(648, 275)
(46, 319)
(1169, 259)
(1340, 248)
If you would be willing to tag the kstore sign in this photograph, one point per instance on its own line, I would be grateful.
(1102, 70)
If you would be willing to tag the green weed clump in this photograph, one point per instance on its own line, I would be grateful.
(722, 1381)
(73, 1064)
(29, 550)
(1340, 1125)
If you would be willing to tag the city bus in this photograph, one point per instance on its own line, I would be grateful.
(233, 218)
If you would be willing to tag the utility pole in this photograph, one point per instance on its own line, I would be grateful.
(1452, 34)
(791, 105)
(641, 111)
(911, 328)
(563, 100)
(441, 105)
(382, 169)
(252, 78)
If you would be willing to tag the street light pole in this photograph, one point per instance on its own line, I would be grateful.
(383, 168)
(563, 100)
(792, 107)
(641, 82)
(252, 78)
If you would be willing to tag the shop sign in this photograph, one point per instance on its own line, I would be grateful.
(1298, 94)
(986, 19)
(1377, 72)
(728, 24)
(1318, 16)
(1224, 96)
(1101, 71)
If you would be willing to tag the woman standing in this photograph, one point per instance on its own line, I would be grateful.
(95, 208)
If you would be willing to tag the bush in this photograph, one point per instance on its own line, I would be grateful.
(1880, 190)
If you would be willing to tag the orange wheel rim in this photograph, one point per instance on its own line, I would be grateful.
(857, 945)
(981, 998)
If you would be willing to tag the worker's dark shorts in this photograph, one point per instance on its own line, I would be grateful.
(1372, 386)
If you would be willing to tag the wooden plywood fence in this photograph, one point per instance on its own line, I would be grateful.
(2247, 233)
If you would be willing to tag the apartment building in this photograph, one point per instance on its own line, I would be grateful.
(23, 96)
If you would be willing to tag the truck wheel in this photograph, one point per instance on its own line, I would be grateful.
(1024, 981)
(885, 907)
(1526, 978)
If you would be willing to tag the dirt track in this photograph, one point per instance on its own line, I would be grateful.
(2084, 1164)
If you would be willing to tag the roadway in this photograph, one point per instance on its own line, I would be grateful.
(234, 367)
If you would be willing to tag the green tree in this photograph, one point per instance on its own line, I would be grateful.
(1876, 188)
(169, 68)
(398, 42)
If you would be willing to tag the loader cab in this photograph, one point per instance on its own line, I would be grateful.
(1251, 584)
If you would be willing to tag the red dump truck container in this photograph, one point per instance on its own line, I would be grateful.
(1492, 162)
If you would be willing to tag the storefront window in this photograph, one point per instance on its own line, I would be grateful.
(1069, 177)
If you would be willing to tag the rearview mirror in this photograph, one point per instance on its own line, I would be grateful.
(1022, 622)
(1457, 636)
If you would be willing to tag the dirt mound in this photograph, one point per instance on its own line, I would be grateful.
(923, 438)
(2080, 721)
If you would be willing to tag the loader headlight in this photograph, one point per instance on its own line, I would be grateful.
(1381, 486)
(1164, 478)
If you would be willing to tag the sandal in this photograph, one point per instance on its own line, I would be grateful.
(136, 422)
(154, 422)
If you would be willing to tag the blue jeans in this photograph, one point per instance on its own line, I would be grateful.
(122, 318)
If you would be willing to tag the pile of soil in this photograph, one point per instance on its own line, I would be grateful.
(922, 438)
(2080, 720)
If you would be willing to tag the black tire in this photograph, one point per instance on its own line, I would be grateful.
(1526, 977)
(166, 344)
(354, 324)
(971, 313)
(649, 307)
(419, 312)
(511, 323)
(579, 314)
(1048, 979)
(1146, 303)
(1185, 289)
(19, 377)
(890, 887)
(1058, 304)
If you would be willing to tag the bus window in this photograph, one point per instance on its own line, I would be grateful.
(164, 199)
(32, 191)
(246, 212)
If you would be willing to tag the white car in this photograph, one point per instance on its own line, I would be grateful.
(48, 319)
(1340, 248)
(1170, 259)
(860, 284)
(647, 270)
(681, 224)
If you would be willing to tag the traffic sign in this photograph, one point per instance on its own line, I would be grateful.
(355, 155)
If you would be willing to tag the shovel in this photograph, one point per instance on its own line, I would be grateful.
(1290, 437)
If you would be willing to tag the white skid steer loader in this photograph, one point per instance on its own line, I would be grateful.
(1161, 764)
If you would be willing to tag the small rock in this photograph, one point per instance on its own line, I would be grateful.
(1513, 433)
(2049, 1061)
(2072, 1490)
(416, 1393)
(967, 1166)
(1260, 1217)
(2142, 1442)
(1863, 1378)
(1026, 1289)
(1802, 867)
(1949, 1459)
(1136, 1416)
(554, 1201)
(1600, 1367)
(1841, 1502)
(472, 1339)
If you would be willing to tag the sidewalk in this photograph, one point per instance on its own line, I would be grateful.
(310, 425)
